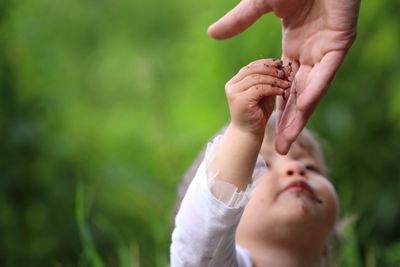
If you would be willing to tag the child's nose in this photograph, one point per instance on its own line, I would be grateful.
(294, 168)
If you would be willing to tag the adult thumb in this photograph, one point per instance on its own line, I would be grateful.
(238, 19)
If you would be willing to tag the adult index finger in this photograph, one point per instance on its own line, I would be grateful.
(238, 19)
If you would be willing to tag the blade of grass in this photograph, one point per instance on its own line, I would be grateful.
(90, 254)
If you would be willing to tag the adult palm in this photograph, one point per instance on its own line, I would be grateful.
(316, 35)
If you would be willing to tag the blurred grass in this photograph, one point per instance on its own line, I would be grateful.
(103, 105)
(90, 256)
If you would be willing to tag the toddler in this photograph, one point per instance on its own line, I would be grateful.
(248, 205)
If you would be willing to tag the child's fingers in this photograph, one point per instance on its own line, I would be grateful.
(256, 79)
(260, 91)
(275, 62)
(263, 66)
(290, 68)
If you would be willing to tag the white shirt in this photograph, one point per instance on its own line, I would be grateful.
(206, 222)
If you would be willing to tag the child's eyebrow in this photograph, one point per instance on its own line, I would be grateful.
(302, 154)
(297, 151)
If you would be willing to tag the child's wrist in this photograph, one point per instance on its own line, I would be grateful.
(236, 155)
(248, 134)
(256, 133)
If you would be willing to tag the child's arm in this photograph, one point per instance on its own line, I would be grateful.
(205, 226)
(251, 98)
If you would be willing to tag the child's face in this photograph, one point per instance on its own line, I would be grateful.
(293, 199)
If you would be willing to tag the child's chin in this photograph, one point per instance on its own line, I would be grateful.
(299, 206)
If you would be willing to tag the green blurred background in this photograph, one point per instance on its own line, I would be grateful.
(104, 104)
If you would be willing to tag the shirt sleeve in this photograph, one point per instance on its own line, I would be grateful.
(224, 191)
(206, 222)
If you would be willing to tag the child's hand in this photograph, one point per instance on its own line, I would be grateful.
(251, 93)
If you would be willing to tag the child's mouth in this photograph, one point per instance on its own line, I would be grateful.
(303, 187)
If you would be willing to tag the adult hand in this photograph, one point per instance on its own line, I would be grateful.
(316, 37)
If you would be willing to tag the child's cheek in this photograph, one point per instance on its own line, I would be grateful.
(264, 191)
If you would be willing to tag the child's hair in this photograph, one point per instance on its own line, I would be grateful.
(306, 140)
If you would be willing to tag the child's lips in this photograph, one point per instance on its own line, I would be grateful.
(300, 184)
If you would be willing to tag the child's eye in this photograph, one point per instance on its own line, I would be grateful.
(268, 164)
(312, 168)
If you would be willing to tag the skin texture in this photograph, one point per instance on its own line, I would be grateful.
(276, 224)
(251, 97)
(316, 35)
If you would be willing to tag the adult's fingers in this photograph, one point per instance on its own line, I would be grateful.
(290, 67)
(320, 77)
(306, 92)
(238, 19)
(297, 121)
(291, 119)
